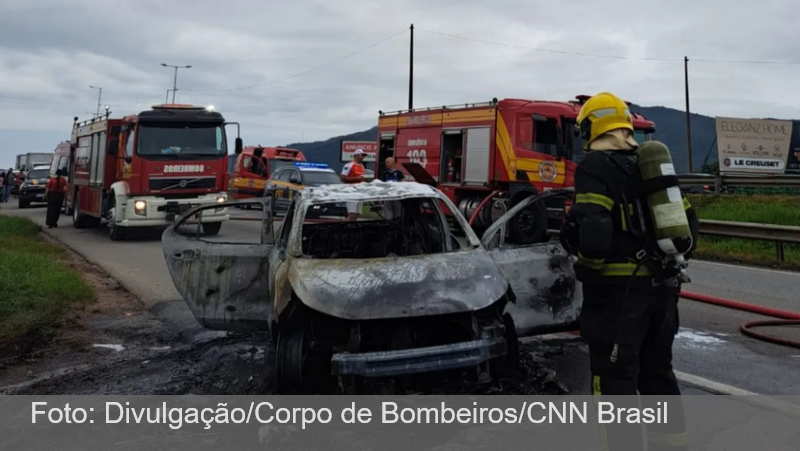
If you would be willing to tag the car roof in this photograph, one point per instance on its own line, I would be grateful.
(368, 192)
(305, 169)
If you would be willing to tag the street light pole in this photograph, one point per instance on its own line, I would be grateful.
(411, 71)
(175, 80)
(688, 114)
(99, 98)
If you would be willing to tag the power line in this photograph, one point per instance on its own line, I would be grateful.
(299, 74)
(595, 55)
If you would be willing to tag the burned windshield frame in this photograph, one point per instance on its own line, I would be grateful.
(166, 135)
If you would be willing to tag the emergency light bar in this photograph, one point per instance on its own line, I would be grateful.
(310, 165)
(177, 106)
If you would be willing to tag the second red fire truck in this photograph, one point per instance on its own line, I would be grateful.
(145, 169)
(507, 150)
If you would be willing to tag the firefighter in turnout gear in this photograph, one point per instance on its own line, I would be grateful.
(631, 271)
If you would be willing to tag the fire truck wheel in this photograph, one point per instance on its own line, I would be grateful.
(529, 226)
(211, 228)
(115, 232)
(78, 220)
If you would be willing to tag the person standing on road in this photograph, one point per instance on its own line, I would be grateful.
(629, 317)
(2, 185)
(54, 194)
(353, 172)
(8, 182)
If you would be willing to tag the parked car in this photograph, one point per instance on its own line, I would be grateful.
(33, 188)
(286, 180)
(377, 297)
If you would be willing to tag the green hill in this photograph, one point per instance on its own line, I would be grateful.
(670, 129)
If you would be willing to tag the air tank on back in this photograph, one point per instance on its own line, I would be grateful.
(672, 231)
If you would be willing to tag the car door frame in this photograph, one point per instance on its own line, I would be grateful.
(280, 192)
(279, 286)
(225, 284)
(547, 296)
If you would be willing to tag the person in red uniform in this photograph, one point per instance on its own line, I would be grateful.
(54, 193)
(353, 172)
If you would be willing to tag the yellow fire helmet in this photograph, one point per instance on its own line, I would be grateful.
(601, 114)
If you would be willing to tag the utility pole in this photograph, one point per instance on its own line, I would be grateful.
(688, 114)
(166, 99)
(175, 81)
(99, 98)
(411, 72)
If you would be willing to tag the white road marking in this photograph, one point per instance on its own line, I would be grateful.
(749, 268)
(745, 396)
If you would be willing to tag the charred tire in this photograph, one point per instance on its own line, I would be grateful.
(211, 228)
(115, 232)
(291, 354)
(529, 226)
(512, 342)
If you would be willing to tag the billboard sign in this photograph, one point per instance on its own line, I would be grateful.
(370, 149)
(757, 146)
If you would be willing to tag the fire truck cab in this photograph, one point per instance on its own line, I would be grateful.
(256, 164)
(146, 169)
(493, 155)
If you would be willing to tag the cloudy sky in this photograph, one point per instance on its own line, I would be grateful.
(307, 70)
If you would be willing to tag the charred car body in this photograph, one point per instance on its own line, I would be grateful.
(391, 294)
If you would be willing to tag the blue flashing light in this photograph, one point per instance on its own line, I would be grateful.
(310, 165)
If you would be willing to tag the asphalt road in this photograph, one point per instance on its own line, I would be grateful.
(709, 344)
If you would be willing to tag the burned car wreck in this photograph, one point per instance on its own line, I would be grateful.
(396, 292)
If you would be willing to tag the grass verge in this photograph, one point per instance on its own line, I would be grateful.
(36, 286)
(780, 210)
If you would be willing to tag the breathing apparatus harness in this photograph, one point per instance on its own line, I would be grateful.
(665, 270)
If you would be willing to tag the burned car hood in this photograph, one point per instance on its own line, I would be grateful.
(362, 289)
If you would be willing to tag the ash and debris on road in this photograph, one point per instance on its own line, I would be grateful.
(115, 346)
(233, 365)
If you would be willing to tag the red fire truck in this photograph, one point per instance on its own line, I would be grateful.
(145, 169)
(506, 150)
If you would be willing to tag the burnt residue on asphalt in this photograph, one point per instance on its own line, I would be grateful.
(242, 364)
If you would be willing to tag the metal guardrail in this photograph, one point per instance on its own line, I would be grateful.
(747, 230)
(755, 181)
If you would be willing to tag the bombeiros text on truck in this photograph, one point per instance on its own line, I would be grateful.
(145, 169)
(491, 155)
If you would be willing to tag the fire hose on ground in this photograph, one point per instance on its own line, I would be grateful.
(786, 318)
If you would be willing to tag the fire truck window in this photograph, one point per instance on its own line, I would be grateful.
(545, 137)
(525, 132)
(452, 157)
(95, 158)
(129, 144)
(257, 167)
(101, 158)
(220, 138)
(171, 141)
